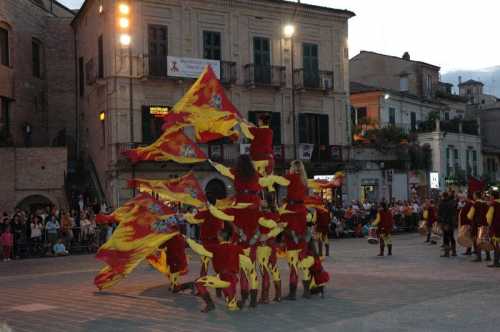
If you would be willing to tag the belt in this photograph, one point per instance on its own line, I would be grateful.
(291, 202)
(248, 192)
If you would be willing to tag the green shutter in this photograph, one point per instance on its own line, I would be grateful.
(276, 127)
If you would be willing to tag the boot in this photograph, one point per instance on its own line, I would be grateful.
(218, 292)
(428, 240)
(320, 249)
(446, 252)
(327, 250)
(454, 250)
(292, 296)
(277, 291)
(381, 248)
(488, 256)
(244, 298)
(209, 304)
(318, 290)
(496, 259)
(253, 298)
(389, 250)
(307, 291)
(467, 252)
(184, 286)
(264, 296)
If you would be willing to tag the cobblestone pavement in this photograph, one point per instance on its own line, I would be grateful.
(414, 290)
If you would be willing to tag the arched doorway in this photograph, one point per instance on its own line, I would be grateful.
(215, 189)
(33, 202)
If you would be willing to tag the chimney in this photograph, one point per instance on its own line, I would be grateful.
(406, 56)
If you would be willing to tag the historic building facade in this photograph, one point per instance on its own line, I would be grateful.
(122, 87)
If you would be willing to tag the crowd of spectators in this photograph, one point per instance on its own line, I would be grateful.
(50, 231)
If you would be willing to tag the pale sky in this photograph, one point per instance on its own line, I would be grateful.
(453, 34)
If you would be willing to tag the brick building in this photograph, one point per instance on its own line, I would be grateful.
(118, 85)
(37, 103)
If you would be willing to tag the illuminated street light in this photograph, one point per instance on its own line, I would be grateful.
(102, 116)
(387, 96)
(288, 31)
(124, 8)
(125, 39)
(123, 22)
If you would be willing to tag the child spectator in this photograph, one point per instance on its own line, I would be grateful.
(7, 241)
(60, 249)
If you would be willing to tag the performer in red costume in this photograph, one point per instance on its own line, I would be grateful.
(261, 148)
(477, 215)
(493, 219)
(267, 250)
(430, 216)
(322, 230)
(295, 233)
(385, 225)
(227, 260)
(463, 220)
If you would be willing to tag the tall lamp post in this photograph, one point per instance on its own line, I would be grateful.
(288, 33)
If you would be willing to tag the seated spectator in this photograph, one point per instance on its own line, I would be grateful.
(59, 248)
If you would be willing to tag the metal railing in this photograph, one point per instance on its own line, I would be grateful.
(314, 80)
(264, 75)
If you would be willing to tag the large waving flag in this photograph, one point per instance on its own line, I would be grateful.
(185, 189)
(337, 182)
(207, 108)
(175, 146)
(142, 228)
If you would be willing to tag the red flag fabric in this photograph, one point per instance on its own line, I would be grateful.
(475, 185)
(175, 146)
(142, 228)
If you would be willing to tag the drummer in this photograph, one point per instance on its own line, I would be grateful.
(493, 219)
(385, 224)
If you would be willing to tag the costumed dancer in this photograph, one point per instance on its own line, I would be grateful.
(464, 221)
(267, 258)
(447, 218)
(430, 217)
(322, 230)
(313, 268)
(493, 219)
(477, 215)
(385, 224)
(227, 260)
(261, 147)
(295, 234)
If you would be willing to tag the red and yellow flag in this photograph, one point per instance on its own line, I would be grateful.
(175, 146)
(142, 228)
(336, 182)
(207, 108)
(185, 189)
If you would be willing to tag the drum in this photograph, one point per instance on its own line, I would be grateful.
(423, 229)
(372, 235)
(484, 240)
(464, 237)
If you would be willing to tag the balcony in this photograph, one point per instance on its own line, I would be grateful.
(320, 80)
(264, 75)
(469, 127)
(228, 73)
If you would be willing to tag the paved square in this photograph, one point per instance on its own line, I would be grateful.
(414, 290)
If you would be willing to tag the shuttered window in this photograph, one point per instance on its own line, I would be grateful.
(158, 50)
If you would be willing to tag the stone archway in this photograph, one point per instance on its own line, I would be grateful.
(33, 202)
(215, 189)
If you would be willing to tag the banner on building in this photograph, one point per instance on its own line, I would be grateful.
(305, 151)
(190, 67)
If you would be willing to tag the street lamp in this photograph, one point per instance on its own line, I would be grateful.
(288, 33)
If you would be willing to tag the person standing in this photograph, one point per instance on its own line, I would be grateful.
(385, 224)
(261, 147)
(447, 217)
(463, 220)
(7, 242)
(493, 219)
(477, 215)
(323, 230)
(430, 217)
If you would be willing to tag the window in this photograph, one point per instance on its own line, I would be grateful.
(491, 165)
(447, 116)
(36, 54)
(151, 126)
(275, 124)
(428, 85)
(456, 160)
(4, 47)
(392, 116)
(100, 57)
(311, 65)
(262, 60)
(449, 150)
(158, 49)
(4, 117)
(313, 129)
(81, 78)
(413, 121)
(403, 83)
(474, 163)
(211, 45)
